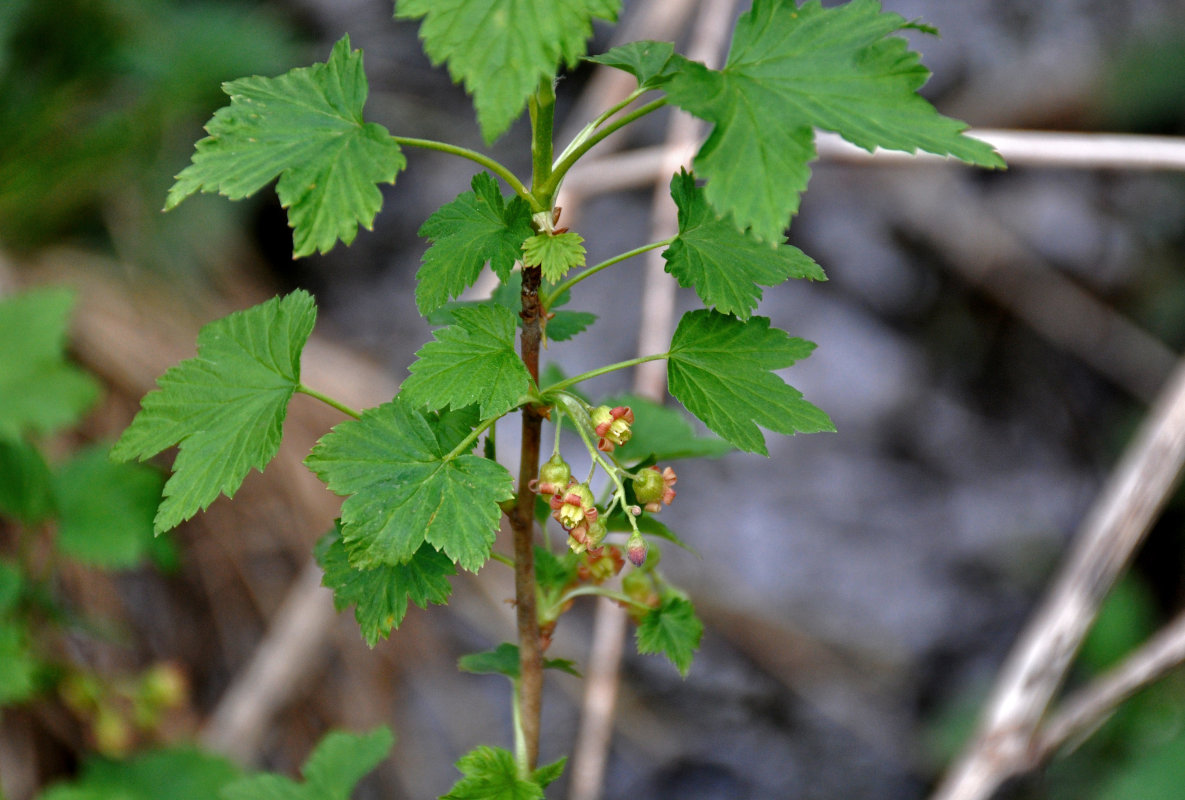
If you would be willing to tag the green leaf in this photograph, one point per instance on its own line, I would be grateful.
(791, 70)
(106, 509)
(649, 62)
(549, 773)
(306, 128)
(477, 227)
(673, 630)
(471, 361)
(12, 587)
(722, 263)
(339, 761)
(26, 485)
(40, 392)
(18, 666)
(403, 491)
(502, 49)
(225, 407)
(179, 773)
(491, 774)
(721, 370)
(561, 325)
(504, 660)
(662, 433)
(380, 595)
(554, 573)
(555, 253)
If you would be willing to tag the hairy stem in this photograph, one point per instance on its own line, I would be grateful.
(464, 152)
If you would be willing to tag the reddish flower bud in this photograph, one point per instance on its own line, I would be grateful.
(635, 549)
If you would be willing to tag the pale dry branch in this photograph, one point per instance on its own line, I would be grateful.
(1085, 709)
(654, 334)
(1104, 544)
(643, 166)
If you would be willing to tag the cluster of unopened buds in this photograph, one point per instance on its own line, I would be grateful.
(612, 426)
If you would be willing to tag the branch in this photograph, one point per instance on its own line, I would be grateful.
(643, 166)
(1106, 540)
(1086, 708)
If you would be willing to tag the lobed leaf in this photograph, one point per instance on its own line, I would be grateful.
(724, 264)
(40, 391)
(403, 490)
(502, 49)
(491, 774)
(790, 70)
(479, 226)
(650, 62)
(380, 594)
(721, 370)
(673, 630)
(504, 660)
(336, 765)
(554, 253)
(471, 361)
(304, 127)
(225, 408)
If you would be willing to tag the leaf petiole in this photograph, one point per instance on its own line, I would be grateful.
(588, 129)
(593, 373)
(593, 270)
(574, 153)
(600, 591)
(329, 401)
(492, 165)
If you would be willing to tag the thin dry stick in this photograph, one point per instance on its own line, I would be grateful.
(286, 658)
(592, 744)
(1085, 709)
(1107, 538)
(642, 166)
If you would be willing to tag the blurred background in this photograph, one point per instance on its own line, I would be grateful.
(986, 344)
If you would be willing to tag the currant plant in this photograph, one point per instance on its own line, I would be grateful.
(422, 499)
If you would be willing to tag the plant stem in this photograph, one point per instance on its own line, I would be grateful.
(493, 166)
(593, 373)
(593, 270)
(600, 592)
(592, 141)
(528, 691)
(329, 401)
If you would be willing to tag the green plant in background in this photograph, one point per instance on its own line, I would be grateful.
(82, 509)
(97, 100)
(422, 499)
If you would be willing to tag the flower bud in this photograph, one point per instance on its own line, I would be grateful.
(635, 549)
(612, 425)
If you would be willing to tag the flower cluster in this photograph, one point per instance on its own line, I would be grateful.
(612, 426)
